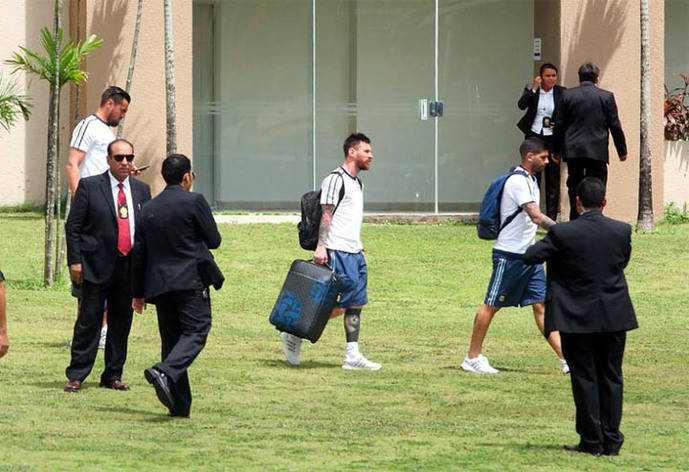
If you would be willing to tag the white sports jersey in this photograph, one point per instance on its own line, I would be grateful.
(92, 135)
(520, 233)
(345, 226)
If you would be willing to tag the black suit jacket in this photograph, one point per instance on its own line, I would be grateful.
(92, 225)
(172, 247)
(529, 102)
(586, 115)
(587, 291)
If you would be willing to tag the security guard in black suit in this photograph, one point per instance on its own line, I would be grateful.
(103, 221)
(588, 301)
(173, 268)
(541, 101)
(587, 116)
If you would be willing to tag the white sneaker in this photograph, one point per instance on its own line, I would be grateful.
(564, 366)
(478, 365)
(291, 345)
(103, 337)
(359, 362)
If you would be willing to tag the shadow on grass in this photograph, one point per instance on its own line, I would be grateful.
(457, 367)
(277, 363)
(53, 385)
(144, 415)
(524, 447)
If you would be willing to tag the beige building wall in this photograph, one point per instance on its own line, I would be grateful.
(547, 27)
(145, 125)
(24, 147)
(677, 173)
(608, 34)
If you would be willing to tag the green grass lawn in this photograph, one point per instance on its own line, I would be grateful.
(252, 411)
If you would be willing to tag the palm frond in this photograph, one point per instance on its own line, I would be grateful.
(42, 65)
(12, 103)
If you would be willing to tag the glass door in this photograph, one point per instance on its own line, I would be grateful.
(485, 58)
(279, 84)
(374, 62)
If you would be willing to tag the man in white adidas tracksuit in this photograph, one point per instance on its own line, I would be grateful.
(339, 245)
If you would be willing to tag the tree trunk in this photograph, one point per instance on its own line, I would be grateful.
(170, 81)
(58, 212)
(75, 120)
(51, 161)
(132, 57)
(645, 216)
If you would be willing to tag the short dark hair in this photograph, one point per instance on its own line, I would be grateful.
(116, 93)
(174, 168)
(118, 140)
(547, 65)
(588, 72)
(353, 140)
(591, 192)
(531, 145)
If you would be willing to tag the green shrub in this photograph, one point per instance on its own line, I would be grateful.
(673, 215)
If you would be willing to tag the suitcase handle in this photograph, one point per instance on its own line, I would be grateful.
(324, 264)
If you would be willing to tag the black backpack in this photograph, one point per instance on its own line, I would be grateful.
(311, 214)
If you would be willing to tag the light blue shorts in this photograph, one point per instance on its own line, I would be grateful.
(351, 270)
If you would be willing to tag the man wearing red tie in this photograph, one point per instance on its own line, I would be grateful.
(100, 232)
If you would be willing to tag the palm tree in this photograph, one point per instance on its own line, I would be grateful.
(59, 65)
(12, 103)
(645, 216)
(171, 120)
(132, 57)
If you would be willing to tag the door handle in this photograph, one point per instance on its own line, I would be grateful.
(423, 109)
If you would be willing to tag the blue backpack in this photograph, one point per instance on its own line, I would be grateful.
(489, 226)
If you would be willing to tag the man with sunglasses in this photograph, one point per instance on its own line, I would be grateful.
(100, 230)
(88, 151)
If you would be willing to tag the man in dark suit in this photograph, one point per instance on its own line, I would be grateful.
(541, 101)
(588, 302)
(105, 215)
(173, 268)
(586, 115)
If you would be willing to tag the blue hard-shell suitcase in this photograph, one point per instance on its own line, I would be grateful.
(306, 300)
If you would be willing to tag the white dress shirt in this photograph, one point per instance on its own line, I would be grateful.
(546, 106)
(114, 186)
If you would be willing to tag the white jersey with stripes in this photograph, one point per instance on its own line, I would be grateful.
(520, 233)
(345, 226)
(92, 135)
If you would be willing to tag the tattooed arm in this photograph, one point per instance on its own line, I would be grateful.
(536, 216)
(320, 255)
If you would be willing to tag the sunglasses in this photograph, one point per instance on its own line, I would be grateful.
(119, 157)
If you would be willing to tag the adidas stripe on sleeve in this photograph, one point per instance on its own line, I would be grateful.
(330, 189)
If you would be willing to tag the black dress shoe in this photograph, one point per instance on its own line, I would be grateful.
(613, 449)
(177, 414)
(580, 448)
(72, 386)
(161, 383)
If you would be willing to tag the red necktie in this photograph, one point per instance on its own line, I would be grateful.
(124, 241)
